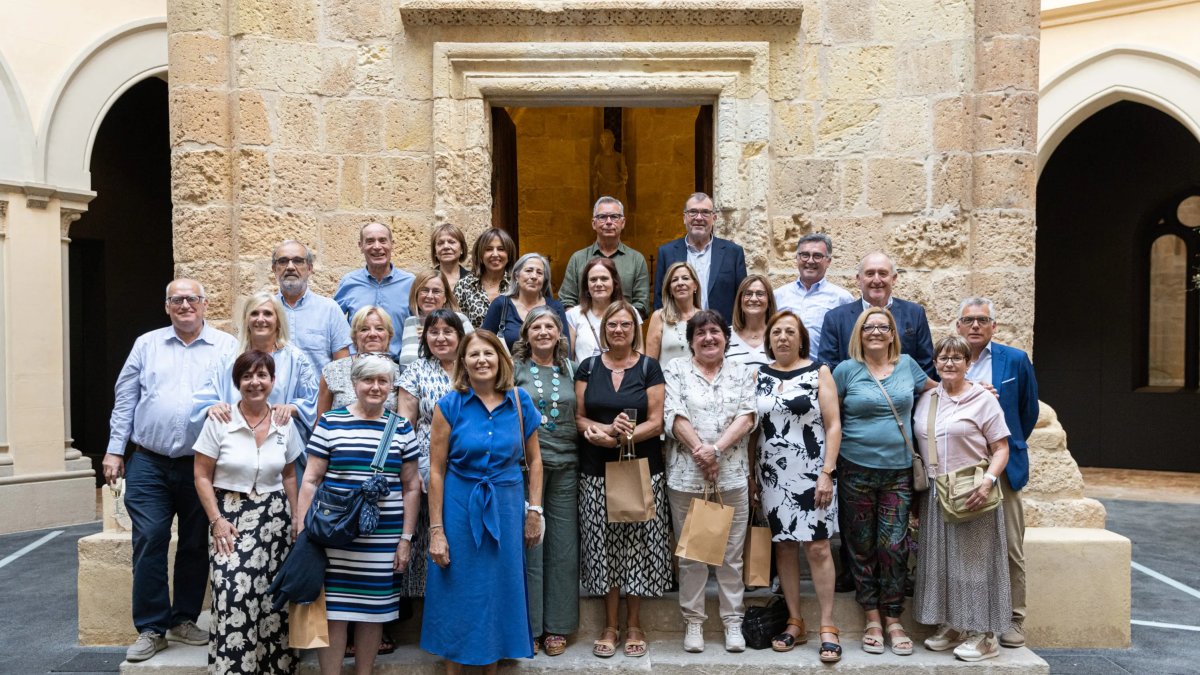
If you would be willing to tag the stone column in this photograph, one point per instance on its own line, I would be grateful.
(75, 461)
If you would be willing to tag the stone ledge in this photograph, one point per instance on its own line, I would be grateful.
(47, 500)
(601, 12)
(1077, 587)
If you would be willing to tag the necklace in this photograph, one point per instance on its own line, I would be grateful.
(256, 424)
(548, 418)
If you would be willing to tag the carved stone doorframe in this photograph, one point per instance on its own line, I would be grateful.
(469, 78)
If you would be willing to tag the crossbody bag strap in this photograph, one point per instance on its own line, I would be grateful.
(520, 428)
(931, 425)
(899, 422)
(385, 442)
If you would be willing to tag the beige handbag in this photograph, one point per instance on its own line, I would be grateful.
(955, 487)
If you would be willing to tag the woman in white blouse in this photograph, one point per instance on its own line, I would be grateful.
(599, 287)
(245, 479)
(755, 305)
(665, 337)
(708, 416)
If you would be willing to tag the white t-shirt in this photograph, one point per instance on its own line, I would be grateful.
(243, 466)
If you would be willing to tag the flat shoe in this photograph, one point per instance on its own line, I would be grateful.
(635, 642)
(605, 647)
(785, 641)
(554, 644)
(897, 634)
(832, 647)
(872, 644)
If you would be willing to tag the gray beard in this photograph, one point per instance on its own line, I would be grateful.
(293, 287)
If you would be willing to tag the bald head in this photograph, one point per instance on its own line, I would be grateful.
(186, 305)
(876, 276)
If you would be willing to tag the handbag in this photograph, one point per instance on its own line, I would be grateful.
(705, 533)
(920, 479)
(338, 516)
(953, 488)
(763, 622)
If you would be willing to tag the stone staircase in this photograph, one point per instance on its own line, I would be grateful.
(664, 626)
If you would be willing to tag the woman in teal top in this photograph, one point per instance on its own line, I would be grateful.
(543, 367)
(875, 471)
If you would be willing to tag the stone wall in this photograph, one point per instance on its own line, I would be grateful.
(906, 125)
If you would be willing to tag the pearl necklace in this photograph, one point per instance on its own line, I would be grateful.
(548, 418)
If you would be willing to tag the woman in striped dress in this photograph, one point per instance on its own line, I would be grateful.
(359, 582)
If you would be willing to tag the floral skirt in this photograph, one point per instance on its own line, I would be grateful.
(248, 636)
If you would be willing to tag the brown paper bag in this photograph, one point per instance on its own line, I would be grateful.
(756, 561)
(308, 624)
(705, 532)
(627, 494)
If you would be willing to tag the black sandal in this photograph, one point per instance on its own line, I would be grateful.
(386, 646)
(787, 640)
(833, 647)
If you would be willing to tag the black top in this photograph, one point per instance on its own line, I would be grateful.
(603, 405)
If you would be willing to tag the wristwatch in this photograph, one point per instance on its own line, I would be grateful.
(407, 537)
(536, 509)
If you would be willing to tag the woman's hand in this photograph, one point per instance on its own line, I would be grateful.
(824, 495)
(439, 548)
(753, 491)
(220, 412)
(403, 554)
(533, 528)
(297, 525)
(622, 426)
(281, 412)
(223, 535)
(596, 435)
(979, 495)
(705, 456)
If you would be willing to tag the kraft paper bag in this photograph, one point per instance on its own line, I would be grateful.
(308, 625)
(705, 532)
(627, 494)
(756, 561)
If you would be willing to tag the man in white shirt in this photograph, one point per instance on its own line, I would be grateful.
(315, 322)
(153, 401)
(811, 295)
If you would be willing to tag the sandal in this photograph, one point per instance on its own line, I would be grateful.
(635, 642)
(872, 644)
(785, 641)
(831, 652)
(902, 644)
(605, 647)
(537, 646)
(554, 644)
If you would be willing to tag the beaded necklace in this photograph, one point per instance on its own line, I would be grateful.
(548, 418)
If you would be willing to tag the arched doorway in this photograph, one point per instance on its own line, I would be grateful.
(120, 256)
(1113, 301)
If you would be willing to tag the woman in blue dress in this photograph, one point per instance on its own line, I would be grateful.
(475, 596)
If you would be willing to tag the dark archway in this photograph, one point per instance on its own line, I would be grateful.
(120, 256)
(1100, 197)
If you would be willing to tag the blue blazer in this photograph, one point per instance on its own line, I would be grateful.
(725, 274)
(1012, 376)
(915, 339)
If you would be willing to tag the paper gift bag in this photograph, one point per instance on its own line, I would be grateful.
(627, 494)
(756, 561)
(705, 532)
(308, 624)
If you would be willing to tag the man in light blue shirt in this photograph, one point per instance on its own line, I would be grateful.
(153, 399)
(379, 282)
(812, 295)
(315, 322)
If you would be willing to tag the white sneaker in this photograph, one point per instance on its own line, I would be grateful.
(943, 639)
(693, 639)
(148, 644)
(734, 640)
(979, 646)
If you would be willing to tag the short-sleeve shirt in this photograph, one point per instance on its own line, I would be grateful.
(242, 464)
(341, 387)
(426, 381)
(349, 442)
(504, 311)
(487, 443)
(870, 436)
(603, 404)
(560, 444)
(965, 426)
(317, 326)
(711, 407)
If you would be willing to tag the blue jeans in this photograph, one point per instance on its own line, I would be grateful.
(157, 489)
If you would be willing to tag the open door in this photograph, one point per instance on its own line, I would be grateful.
(504, 173)
(704, 150)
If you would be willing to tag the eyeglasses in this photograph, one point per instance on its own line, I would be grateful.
(951, 359)
(608, 216)
(297, 261)
(815, 257)
(880, 328)
(431, 292)
(754, 294)
(692, 213)
(974, 320)
(623, 325)
(178, 300)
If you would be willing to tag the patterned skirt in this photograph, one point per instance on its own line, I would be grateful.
(962, 571)
(247, 635)
(635, 557)
(411, 582)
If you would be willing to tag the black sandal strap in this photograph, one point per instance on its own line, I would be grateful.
(786, 639)
(831, 647)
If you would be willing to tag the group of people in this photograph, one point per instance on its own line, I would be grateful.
(801, 406)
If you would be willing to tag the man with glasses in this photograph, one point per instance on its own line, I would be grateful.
(315, 322)
(153, 400)
(720, 263)
(1010, 372)
(378, 282)
(812, 295)
(608, 221)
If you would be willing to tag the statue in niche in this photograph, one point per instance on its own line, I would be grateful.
(609, 175)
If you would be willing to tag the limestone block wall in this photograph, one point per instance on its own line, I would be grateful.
(906, 125)
(1054, 495)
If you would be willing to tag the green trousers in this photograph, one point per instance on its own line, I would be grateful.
(552, 568)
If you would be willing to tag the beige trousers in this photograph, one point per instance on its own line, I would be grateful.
(693, 576)
(1014, 531)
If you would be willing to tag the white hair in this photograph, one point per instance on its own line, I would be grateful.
(978, 301)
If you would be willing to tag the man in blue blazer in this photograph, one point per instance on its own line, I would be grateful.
(1009, 370)
(876, 277)
(720, 263)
